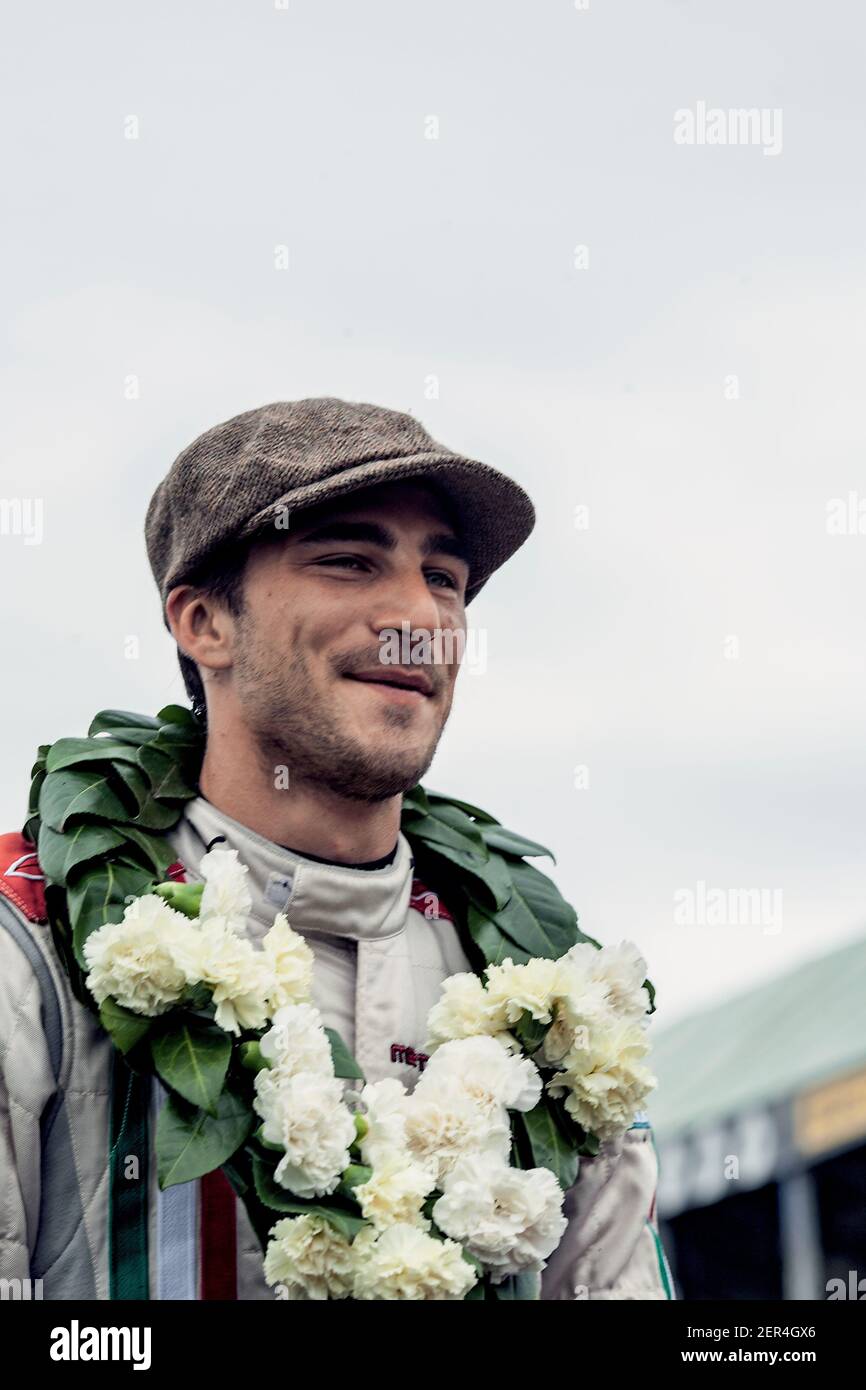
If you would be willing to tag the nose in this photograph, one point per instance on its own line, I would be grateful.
(405, 597)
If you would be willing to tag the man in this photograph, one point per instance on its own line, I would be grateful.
(290, 545)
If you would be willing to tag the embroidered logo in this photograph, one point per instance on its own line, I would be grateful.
(408, 1056)
(429, 904)
(278, 889)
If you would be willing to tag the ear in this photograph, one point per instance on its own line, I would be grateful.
(201, 627)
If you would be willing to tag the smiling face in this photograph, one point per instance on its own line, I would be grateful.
(307, 669)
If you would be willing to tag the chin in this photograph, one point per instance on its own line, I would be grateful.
(406, 770)
(394, 773)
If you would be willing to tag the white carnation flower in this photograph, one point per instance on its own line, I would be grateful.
(384, 1109)
(291, 962)
(444, 1121)
(510, 1219)
(620, 970)
(491, 1074)
(462, 1011)
(582, 1004)
(605, 1082)
(309, 1259)
(306, 1116)
(297, 1042)
(225, 892)
(596, 987)
(513, 989)
(396, 1191)
(238, 975)
(404, 1262)
(148, 961)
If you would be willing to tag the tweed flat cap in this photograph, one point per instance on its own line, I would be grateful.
(237, 477)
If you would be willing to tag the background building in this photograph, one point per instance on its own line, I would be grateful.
(760, 1120)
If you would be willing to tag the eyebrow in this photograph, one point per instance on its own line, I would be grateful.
(442, 543)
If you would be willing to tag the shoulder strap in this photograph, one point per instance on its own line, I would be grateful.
(60, 1250)
(22, 884)
(128, 1188)
(52, 1020)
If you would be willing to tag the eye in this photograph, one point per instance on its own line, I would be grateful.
(450, 582)
(342, 560)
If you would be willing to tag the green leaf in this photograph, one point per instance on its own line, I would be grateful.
(344, 1063)
(427, 1211)
(278, 1198)
(438, 828)
(450, 817)
(494, 944)
(497, 837)
(41, 755)
(135, 784)
(355, 1176)
(38, 776)
(483, 817)
(135, 738)
(30, 830)
(180, 715)
(487, 874)
(192, 1058)
(521, 1149)
(71, 752)
(111, 719)
(416, 800)
(86, 842)
(155, 849)
(60, 854)
(190, 1142)
(187, 756)
(100, 895)
(537, 917)
(167, 782)
(157, 815)
(175, 739)
(124, 1027)
(236, 1178)
(549, 1145)
(530, 1032)
(76, 793)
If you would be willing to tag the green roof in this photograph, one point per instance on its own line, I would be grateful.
(796, 1030)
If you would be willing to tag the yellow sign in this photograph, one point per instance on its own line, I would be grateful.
(831, 1115)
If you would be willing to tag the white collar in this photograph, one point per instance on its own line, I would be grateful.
(330, 899)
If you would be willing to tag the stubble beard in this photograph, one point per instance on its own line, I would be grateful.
(291, 727)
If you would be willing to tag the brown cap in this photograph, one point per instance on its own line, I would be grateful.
(239, 476)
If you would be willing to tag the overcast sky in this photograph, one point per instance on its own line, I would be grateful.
(687, 387)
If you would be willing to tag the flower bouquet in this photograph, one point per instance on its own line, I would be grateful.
(359, 1190)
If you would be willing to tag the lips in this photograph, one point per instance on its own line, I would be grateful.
(396, 677)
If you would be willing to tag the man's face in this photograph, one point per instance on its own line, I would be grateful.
(308, 668)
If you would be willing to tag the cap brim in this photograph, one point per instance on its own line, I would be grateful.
(496, 515)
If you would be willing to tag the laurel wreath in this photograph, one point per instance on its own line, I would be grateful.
(99, 811)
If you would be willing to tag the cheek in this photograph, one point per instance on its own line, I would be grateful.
(458, 647)
(284, 630)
